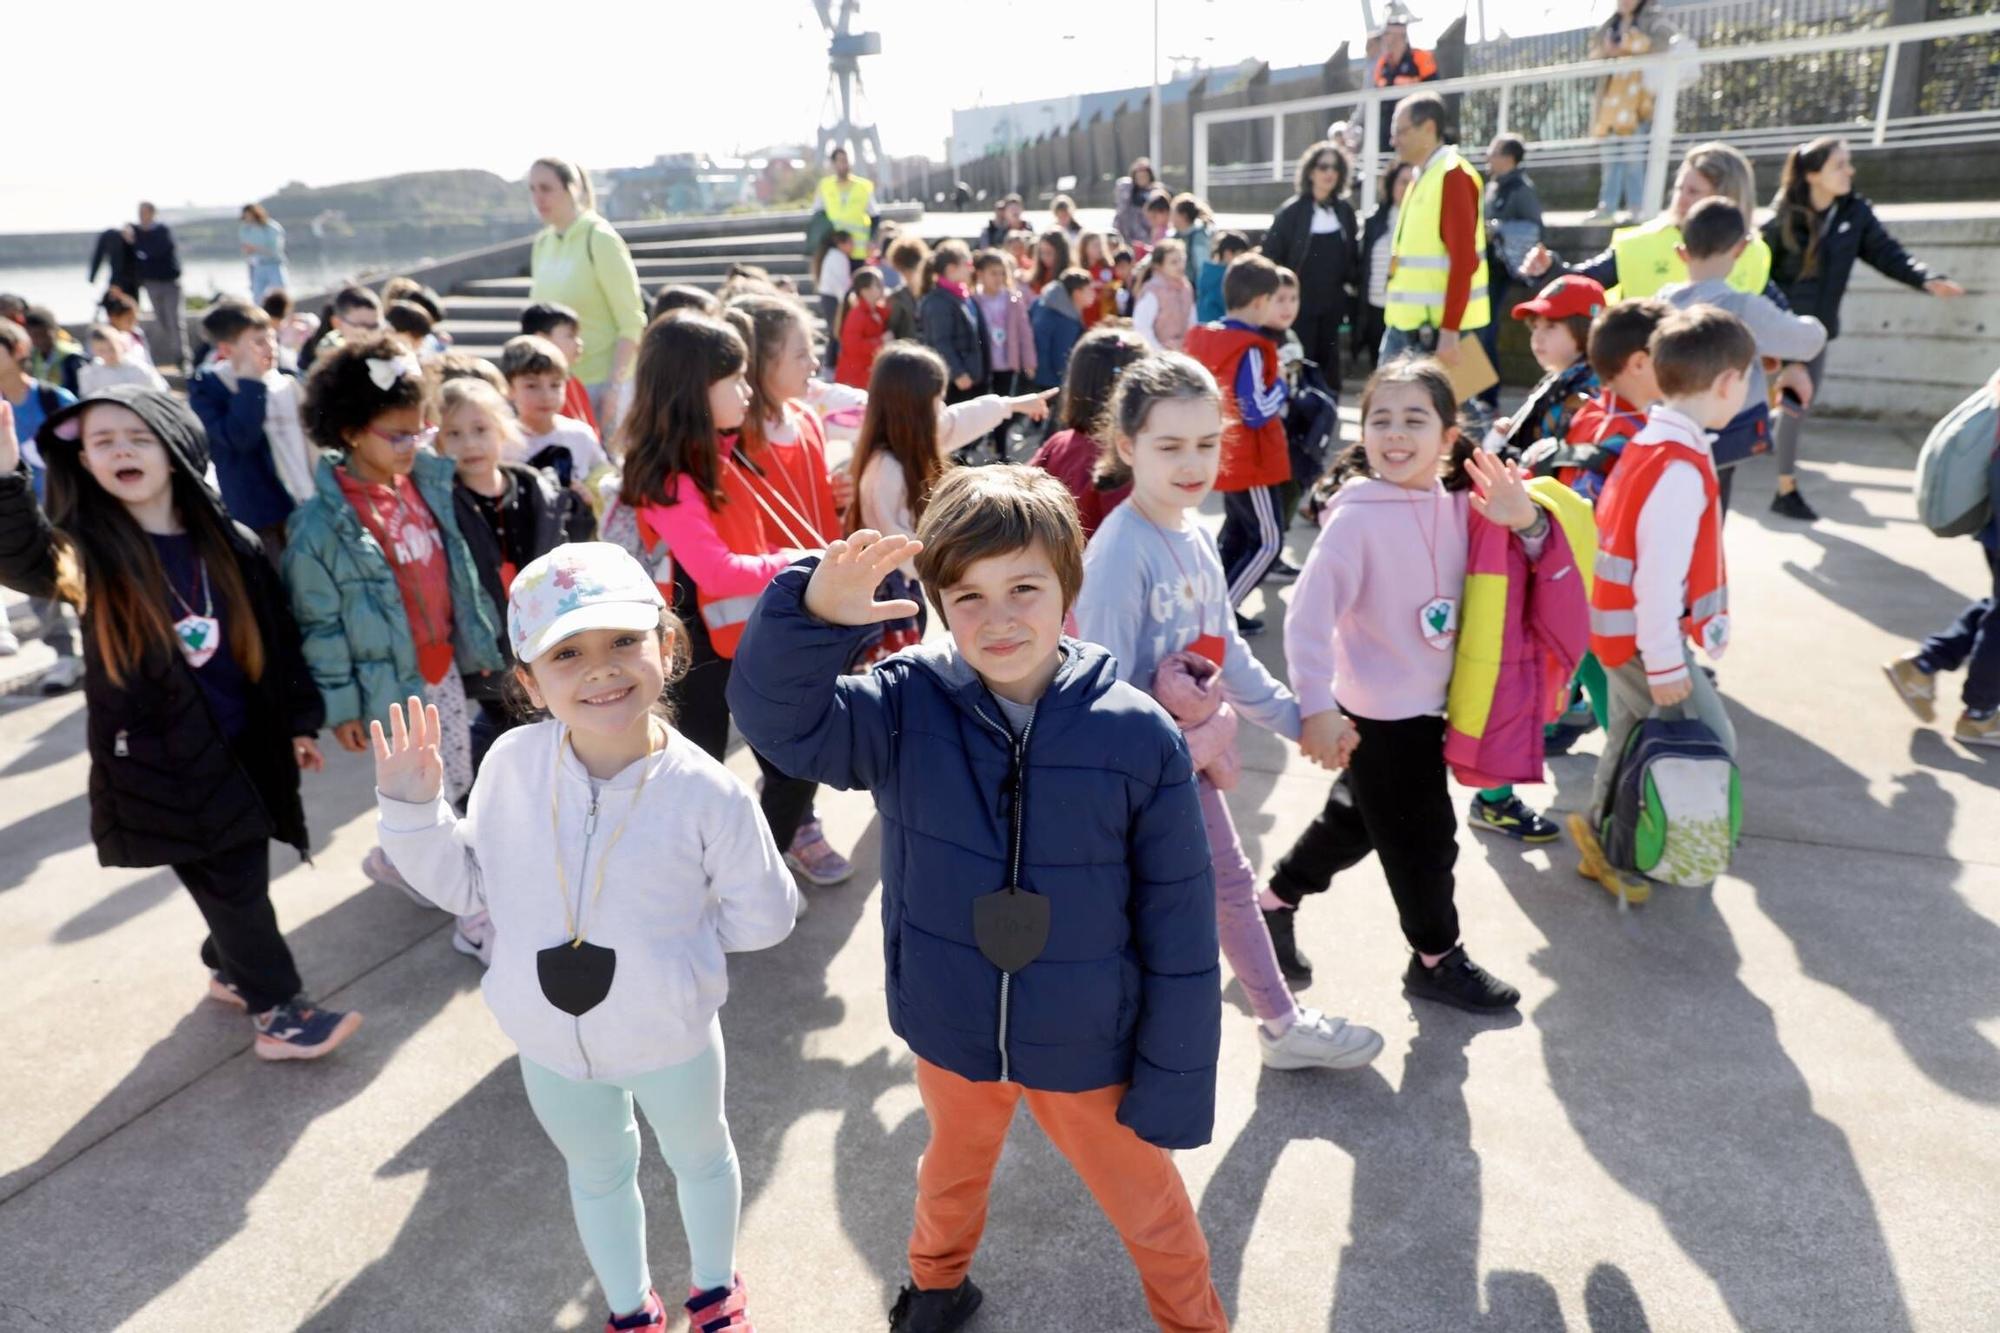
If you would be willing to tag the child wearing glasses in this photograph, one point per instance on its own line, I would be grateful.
(382, 583)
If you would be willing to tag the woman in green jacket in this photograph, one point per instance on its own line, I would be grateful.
(580, 260)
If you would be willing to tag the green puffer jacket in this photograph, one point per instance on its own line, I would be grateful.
(350, 611)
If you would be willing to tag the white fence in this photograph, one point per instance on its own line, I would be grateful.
(1670, 70)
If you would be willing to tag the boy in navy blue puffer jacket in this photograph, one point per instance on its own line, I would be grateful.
(1048, 913)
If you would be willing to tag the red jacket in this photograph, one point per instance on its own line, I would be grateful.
(861, 335)
(1252, 456)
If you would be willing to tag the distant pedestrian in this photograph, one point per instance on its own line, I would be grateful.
(159, 268)
(579, 260)
(114, 255)
(263, 241)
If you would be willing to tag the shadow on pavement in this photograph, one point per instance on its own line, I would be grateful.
(58, 741)
(250, 1117)
(1416, 1208)
(1672, 1074)
(1899, 599)
(1896, 936)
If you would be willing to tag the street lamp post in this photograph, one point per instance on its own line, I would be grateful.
(1153, 116)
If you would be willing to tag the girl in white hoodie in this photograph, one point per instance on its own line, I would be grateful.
(619, 863)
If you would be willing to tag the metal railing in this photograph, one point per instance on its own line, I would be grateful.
(1492, 98)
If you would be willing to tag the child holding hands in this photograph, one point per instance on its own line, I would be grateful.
(1154, 595)
(1370, 642)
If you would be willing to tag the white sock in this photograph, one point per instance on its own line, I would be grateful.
(1271, 902)
(1280, 1025)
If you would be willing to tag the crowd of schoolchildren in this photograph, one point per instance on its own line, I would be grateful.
(351, 528)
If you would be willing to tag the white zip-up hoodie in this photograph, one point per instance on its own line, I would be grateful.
(693, 876)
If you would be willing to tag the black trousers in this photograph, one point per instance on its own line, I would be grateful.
(1393, 801)
(701, 713)
(1367, 344)
(1251, 538)
(1319, 332)
(233, 890)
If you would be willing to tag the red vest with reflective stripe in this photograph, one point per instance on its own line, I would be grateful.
(741, 524)
(1614, 621)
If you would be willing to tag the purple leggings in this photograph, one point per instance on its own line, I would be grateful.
(1238, 921)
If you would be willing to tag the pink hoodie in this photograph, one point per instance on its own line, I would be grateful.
(1353, 632)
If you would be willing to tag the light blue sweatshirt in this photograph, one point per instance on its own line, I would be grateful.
(1149, 592)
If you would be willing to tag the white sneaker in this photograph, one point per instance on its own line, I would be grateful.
(64, 676)
(10, 642)
(1315, 1041)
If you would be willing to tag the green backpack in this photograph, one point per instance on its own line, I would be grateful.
(1677, 809)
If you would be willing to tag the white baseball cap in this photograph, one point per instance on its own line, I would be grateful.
(579, 586)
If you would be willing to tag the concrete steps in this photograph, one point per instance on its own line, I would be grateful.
(482, 313)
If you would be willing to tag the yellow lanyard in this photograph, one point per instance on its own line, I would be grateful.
(604, 859)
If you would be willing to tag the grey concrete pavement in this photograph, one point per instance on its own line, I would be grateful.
(1767, 1106)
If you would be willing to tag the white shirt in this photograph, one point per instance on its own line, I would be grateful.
(586, 454)
(693, 876)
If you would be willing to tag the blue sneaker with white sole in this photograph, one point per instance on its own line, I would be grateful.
(301, 1030)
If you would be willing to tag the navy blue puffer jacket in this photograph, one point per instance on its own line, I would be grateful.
(1128, 988)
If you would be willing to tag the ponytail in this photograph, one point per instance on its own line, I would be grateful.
(1798, 228)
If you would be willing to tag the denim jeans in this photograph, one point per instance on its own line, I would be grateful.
(1972, 642)
(1395, 342)
(1624, 160)
(265, 275)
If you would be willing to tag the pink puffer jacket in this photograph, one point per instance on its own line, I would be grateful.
(1189, 687)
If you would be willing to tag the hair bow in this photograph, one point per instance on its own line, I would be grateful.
(386, 370)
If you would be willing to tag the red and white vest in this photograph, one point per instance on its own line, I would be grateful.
(1614, 620)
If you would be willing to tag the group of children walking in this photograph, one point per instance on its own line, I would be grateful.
(1060, 864)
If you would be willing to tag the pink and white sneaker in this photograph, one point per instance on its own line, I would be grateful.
(379, 868)
(219, 989)
(651, 1315)
(473, 937)
(813, 859)
(719, 1309)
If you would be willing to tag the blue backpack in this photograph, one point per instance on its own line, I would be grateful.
(1677, 806)
(1954, 490)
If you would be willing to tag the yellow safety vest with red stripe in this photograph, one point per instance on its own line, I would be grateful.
(1614, 619)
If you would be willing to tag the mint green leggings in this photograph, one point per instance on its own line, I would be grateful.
(1590, 678)
(592, 1125)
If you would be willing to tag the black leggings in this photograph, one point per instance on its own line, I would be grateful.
(701, 713)
(1392, 800)
(233, 890)
(1319, 333)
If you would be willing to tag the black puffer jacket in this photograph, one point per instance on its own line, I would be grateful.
(1288, 240)
(1849, 231)
(165, 786)
(956, 331)
(559, 515)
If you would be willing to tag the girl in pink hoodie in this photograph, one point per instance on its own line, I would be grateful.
(1369, 642)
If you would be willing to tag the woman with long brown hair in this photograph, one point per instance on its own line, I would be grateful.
(201, 711)
(1818, 228)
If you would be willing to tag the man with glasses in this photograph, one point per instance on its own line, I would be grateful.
(1438, 283)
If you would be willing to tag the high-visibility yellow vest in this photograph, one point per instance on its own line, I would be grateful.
(1420, 267)
(1647, 262)
(849, 212)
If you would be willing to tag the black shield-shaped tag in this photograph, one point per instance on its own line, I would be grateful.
(1011, 927)
(576, 978)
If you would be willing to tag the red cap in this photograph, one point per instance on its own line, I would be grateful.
(1566, 296)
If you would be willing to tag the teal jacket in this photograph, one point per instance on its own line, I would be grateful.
(350, 611)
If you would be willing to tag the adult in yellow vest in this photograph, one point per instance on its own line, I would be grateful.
(1641, 259)
(847, 200)
(1438, 286)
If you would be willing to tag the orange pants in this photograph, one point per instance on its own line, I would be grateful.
(1134, 1183)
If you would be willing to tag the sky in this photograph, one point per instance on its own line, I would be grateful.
(685, 75)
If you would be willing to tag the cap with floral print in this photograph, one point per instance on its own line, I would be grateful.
(579, 586)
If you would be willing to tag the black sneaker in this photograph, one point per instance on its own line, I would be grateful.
(1511, 818)
(1284, 942)
(1791, 504)
(1459, 982)
(934, 1311)
(1248, 626)
(1281, 571)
